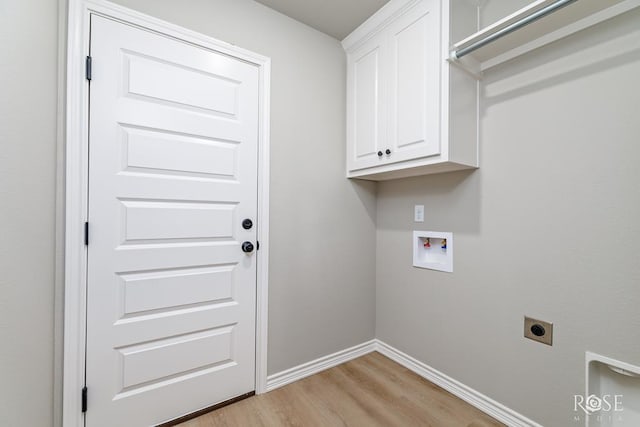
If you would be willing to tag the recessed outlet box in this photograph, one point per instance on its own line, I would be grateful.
(538, 330)
(433, 250)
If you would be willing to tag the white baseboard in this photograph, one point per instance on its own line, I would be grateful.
(487, 405)
(306, 369)
(469, 395)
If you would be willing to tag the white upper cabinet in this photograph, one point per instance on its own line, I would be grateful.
(413, 84)
(399, 99)
(366, 123)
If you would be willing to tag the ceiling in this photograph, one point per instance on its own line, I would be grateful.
(336, 18)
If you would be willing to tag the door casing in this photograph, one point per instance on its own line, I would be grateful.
(75, 188)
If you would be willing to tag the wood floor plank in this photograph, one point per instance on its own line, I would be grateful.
(370, 391)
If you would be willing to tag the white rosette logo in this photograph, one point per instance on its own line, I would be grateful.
(605, 404)
(593, 403)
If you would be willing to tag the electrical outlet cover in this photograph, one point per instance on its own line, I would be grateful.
(538, 330)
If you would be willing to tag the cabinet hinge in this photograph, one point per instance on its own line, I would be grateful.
(86, 234)
(84, 399)
(88, 68)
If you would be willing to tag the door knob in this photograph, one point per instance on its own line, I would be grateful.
(247, 224)
(388, 151)
(379, 153)
(247, 247)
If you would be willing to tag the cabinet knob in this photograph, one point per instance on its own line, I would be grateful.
(247, 247)
(388, 151)
(379, 153)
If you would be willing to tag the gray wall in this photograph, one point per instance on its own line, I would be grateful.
(547, 227)
(28, 77)
(322, 275)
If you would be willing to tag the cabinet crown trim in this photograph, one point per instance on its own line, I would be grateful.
(376, 23)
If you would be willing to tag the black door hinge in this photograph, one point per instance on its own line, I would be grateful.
(84, 399)
(88, 68)
(86, 234)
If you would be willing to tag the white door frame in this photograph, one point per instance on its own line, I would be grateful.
(76, 188)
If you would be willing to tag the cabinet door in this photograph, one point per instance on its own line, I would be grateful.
(366, 121)
(414, 83)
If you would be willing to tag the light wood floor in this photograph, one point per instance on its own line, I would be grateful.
(369, 391)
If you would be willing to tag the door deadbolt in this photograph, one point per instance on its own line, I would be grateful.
(247, 224)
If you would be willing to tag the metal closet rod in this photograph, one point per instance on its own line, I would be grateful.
(511, 28)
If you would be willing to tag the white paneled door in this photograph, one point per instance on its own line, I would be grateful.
(171, 294)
